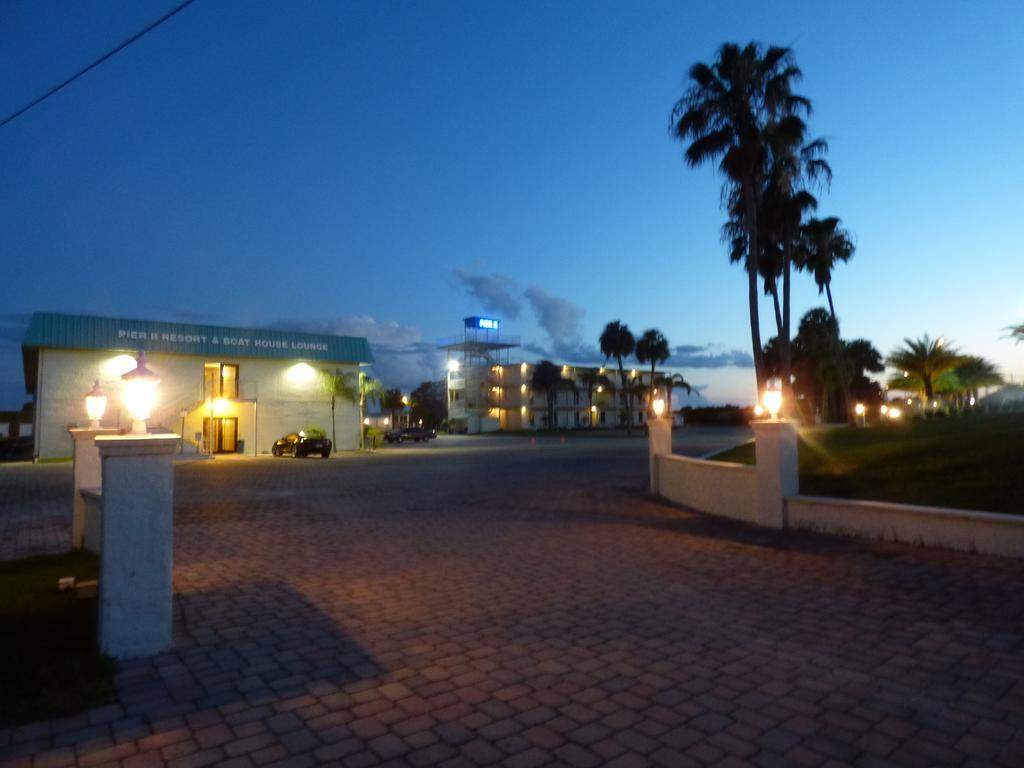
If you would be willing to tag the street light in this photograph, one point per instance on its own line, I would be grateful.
(859, 409)
(95, 405)
(140, 394)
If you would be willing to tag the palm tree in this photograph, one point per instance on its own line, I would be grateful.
(617, 341)
(370, 389)
(973, 373)
(672, 381)
(590, 378)
(795, 165)
(1017, 332)
(823, 245)
(547, 378)
(392, 400)
(344, 385)
(725, 115)
(652, 347)
(924, 360)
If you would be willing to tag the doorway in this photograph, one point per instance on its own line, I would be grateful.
(224, 436)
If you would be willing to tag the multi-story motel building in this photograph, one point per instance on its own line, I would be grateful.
(489, 391)
(225, 390)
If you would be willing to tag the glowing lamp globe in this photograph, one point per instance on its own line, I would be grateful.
(859, 409)
(759, 410)
(773, 402)
(95, 404)
(140, 394)
(884, 409)
(659, 407)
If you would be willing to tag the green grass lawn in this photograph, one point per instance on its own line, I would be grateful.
(972, 462)
(49, 662)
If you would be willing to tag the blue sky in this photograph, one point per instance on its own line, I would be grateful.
(389, 168)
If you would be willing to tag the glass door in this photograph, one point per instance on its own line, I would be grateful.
(221, 434)
(228, 435)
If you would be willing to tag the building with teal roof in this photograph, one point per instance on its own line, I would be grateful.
(224, 389)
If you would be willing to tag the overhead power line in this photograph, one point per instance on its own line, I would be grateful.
(96, 63)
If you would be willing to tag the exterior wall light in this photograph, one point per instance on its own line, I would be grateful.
(300, 373)
(366, 421)
(96, 405)
(895, 413)
(972, 401)
(140, 394)
(659, 407)
(453, 365)
(759, 410)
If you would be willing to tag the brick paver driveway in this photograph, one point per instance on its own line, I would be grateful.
(520, 606)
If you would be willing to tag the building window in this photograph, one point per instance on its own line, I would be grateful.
(220, 380)
(576, 417)
(576, 397)
(640, 417)
(602, 417)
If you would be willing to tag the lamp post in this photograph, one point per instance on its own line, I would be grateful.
(775, 446)
(860, 410)
(659, 440)
(95, 405)
(140, 394)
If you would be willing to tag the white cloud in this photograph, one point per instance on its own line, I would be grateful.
(560, 317)
(496, 293)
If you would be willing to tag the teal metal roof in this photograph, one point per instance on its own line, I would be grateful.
(85, 332)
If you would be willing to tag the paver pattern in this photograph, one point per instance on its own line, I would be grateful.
(527, 605)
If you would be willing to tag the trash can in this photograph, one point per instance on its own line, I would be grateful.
(241, 446)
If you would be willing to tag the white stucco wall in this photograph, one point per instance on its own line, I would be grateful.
(715, 487)
(985, 532)
(283, 402)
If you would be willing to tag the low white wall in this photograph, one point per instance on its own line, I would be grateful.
(715, 487)
(985, 532)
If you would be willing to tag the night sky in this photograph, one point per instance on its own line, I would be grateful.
(385, 169)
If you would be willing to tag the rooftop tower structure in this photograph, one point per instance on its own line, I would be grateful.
(474, 362)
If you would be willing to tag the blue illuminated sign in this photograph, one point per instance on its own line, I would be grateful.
(486, 322)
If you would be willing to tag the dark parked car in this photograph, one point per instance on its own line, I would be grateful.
(416, 434)
(301, 444)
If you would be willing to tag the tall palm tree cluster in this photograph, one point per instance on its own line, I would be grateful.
(618, 342)
(741, 112)
(829, 373)
(934, 368)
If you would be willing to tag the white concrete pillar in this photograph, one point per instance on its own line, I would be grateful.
(87, 476)
(135, 586)
(777, 470)
(659, 443)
